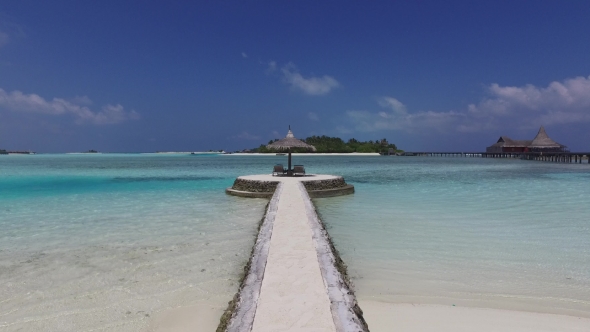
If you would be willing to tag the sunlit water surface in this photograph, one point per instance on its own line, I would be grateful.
(507, 234)
(103, 242)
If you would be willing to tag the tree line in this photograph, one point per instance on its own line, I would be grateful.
(326, 144)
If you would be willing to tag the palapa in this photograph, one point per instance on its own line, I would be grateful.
(543, 141)
(288, 143)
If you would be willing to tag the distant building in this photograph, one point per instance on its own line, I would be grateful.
(506, 144)
(541, 143)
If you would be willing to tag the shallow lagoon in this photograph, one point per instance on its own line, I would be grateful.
(106, 241)
(507, 234)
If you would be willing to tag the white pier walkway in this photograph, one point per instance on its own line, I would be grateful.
(293, 296)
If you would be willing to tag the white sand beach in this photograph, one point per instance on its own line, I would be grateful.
(404, 317)
(198, 317)
(408, 317)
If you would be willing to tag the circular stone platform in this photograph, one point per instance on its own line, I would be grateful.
(264, 185)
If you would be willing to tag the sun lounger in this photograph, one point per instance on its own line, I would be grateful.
(278, 170)
(298, 170)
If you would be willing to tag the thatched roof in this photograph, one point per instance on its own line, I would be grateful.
(509, 142)
(543, 141)
(289, 142)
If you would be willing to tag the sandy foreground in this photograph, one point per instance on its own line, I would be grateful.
(198, 317)
(397, 317)
(382, 316)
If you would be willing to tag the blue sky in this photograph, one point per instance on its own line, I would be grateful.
(135, 76)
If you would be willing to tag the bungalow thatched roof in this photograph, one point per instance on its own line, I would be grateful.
(509, 142)
(543, 141)
(289, 142)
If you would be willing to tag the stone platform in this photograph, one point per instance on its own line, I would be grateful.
(264, 185)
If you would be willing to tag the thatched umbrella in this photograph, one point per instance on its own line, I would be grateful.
(289, 142)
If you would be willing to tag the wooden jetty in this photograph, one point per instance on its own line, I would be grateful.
(443, 154)
(557, 157)
(541, 148)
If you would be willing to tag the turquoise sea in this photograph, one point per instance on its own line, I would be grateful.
(105, 241)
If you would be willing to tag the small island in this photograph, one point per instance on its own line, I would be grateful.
(15, 152)
(327, 144)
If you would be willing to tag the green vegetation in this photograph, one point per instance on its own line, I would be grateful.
(326, 144)
(3, 151)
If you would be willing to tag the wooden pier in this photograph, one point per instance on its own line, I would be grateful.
(444, 154)
(556, 157)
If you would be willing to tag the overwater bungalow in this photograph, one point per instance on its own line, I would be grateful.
(541, 143)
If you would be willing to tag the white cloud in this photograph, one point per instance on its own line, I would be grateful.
(314, 86)
(522, 107)
(558, 103)
(394, 104)
(312, 116)
(17, 101)
(244, 55)
(112, 114)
